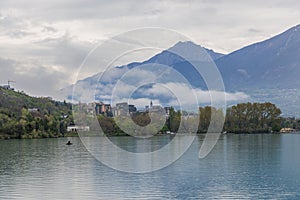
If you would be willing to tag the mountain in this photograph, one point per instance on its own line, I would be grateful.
(265, 71)
(273, 63)
(172, 57)
(168, 57)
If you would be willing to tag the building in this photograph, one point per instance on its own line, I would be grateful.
(167, 110)
(102, 108)
(156, 108)
(132, 109)
(288, 130)
(7, 87)
(33, 110)
(74, 128)
(90, 108)
(121, 109)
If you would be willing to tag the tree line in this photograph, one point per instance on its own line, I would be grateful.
(110, 127)
(240, 118)
(253, 118)
(18, 120)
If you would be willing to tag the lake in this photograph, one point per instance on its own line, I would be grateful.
(239, 167)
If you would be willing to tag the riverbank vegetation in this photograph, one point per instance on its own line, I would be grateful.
(240, 118)
(23, 116)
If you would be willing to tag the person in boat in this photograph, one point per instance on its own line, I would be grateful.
(69, 143)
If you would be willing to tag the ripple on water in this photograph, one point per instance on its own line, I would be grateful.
(251, 167)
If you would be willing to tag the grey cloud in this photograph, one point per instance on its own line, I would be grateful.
(37, 37)
(49, 81)
(65, 51)
(253, 30)
(43, 67)
(9, 22)
(13, 27)
(7, 67)
(49, 29)
(35, 80)
(82, 9)
(19, 34)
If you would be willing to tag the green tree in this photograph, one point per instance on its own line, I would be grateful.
(174, 120)
(253, 117)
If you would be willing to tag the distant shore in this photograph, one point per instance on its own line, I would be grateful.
(90, 134)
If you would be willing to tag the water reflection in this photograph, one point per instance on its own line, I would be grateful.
(141, 145)
(240, 166)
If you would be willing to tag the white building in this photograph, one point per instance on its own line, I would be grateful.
(74, 128)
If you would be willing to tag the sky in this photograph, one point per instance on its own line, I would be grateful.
(42, 44)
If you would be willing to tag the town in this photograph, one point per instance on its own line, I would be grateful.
(106, 114)
(120, 109)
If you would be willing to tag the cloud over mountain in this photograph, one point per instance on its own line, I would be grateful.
(265, 71)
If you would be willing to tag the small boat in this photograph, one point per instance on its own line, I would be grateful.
(69, 143)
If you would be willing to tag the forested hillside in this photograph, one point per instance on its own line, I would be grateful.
(23, 116)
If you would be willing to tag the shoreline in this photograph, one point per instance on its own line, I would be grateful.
(5, 137)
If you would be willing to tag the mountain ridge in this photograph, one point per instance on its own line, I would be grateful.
(261, 70)
(276, 53)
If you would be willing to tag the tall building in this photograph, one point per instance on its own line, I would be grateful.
(102, 108)
(167, 109)
(121, 109)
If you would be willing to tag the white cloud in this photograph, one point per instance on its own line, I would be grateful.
(186, 95)
(168, 94)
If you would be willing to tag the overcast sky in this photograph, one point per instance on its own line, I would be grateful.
(42, 43)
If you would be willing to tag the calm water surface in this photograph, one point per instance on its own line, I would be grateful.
(239, 167)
